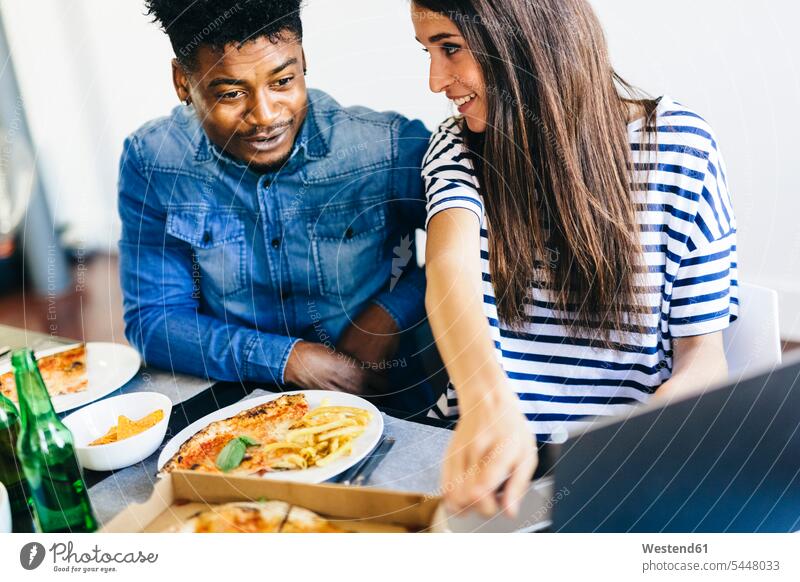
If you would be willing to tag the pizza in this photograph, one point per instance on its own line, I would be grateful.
(256, 517)
(63, 373)
(265, 424)
(244, 517)
(302, 520)
(279, 435)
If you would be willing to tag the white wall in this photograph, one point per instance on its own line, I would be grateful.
(363, 52)
(90, 72)
(94, 70)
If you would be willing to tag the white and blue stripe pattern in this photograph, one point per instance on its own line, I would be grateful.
(688, 280)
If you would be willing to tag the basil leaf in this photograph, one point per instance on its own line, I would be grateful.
(231, 456)
(249, 442)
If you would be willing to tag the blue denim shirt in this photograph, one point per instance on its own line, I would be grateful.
(224, 269)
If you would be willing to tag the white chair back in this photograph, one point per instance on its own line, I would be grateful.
(753, 341)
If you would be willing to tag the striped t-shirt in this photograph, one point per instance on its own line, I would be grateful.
(689, 286)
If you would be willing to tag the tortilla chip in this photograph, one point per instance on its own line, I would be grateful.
(109, 437)
(126, 428)
(151, 419)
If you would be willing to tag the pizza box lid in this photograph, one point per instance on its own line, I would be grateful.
(181, 494)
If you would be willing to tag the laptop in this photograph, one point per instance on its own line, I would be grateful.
(726, 460)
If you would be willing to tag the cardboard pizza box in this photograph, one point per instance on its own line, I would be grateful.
(181, 494)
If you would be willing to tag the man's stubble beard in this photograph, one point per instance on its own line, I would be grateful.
(271, 167)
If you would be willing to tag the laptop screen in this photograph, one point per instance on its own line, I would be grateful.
(727, 460)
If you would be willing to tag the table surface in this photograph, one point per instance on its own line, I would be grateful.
(413, 464)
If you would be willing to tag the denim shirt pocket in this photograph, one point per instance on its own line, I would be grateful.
(217, 238)
(347, 245)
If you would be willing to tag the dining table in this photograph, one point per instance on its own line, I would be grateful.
(413, 464)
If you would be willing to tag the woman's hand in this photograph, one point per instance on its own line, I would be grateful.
(492, 456)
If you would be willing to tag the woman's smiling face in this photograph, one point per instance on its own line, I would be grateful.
(454, 70)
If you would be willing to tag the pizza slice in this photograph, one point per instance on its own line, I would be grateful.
(241, 517)
(64, 372)
(301, 520)
(258, 427)
(257, 517)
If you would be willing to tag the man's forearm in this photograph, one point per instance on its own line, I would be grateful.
(186, 341)
(405, 302)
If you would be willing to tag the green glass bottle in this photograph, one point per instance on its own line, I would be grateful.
(10, 470)
(45, 449)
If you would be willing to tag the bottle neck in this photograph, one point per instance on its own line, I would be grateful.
(34, 401)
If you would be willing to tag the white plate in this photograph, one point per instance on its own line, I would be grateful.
(109, 366)
(361, 445)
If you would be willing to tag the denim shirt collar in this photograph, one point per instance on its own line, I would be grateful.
(309, 141)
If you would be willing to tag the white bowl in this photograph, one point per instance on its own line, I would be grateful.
(93, 421)
(5, 510)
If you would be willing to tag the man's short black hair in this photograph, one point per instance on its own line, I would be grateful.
(191, 24)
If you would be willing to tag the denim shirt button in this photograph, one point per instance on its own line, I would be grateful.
(276, 243)
(349, 232)
(206, 237)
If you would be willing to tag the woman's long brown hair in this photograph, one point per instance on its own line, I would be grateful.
(556, 165)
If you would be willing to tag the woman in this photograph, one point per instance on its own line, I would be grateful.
(581, 251)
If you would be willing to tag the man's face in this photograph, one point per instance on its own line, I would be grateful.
(251, 100)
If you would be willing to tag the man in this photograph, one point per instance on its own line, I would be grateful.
(267, 231)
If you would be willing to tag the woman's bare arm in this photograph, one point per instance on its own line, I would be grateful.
(698, 362)
(454, 301)
(492, 446)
